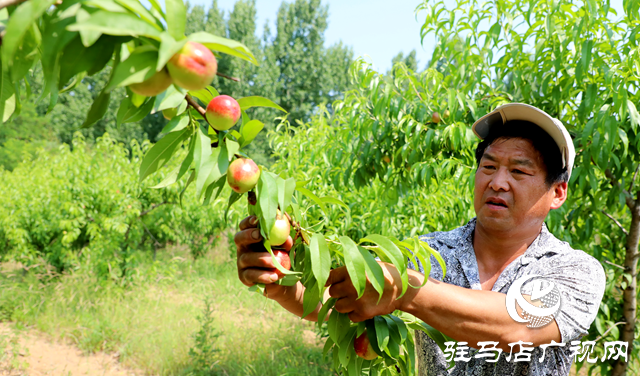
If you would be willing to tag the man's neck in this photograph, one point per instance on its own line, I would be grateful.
(496, 250)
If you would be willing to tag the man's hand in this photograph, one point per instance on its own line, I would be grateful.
(255, 264)
(367, 306)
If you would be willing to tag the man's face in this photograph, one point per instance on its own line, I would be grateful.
(510, 190)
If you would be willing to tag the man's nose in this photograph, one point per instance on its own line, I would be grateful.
(500, 180)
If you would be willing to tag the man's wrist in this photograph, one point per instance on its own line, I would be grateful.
(407, 302)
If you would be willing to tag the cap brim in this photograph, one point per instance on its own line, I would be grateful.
(525, 112)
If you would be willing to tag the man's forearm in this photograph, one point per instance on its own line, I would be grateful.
(470, 315)
(291, 299)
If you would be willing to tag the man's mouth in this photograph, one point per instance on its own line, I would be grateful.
(497, 202)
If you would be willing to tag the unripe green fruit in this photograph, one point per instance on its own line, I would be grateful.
(153, 85)
(446, 114)
(363, 347)
(243, 175)
(280, 230)
(169, 113)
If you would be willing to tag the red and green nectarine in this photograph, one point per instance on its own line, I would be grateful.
(223, 112)
(243, 175)
(363, 347)
(193, 67)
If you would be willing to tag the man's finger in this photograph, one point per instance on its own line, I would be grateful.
(336, 276)
(287, 245)
(252, 276)
(246, 237)
(255, 260)
(249, 222)
(344, 305)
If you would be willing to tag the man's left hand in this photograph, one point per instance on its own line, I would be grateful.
(367, 306)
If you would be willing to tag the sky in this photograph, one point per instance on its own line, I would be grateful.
(376, 29)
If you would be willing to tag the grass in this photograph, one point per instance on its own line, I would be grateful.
(152, 323)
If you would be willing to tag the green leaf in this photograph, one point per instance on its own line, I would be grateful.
(232, 148)
(311, 298)
(435, 254)
(433, 333)
(347, 351)
(255, 101)
(282, 270)
(21, 20)
(267, 201)
(117, 24)
(337, 325)
(219, 184)
(401, 326)
(355, 264)
(333, 200)
(179, 171)
(139, 66)
(382, 332)
(136, 7)
(133, 114)
(178, 123)
(312, 196)
(324, 310)
(172, 97)
(176, 17)
(389, 251)
(320, 260)
(289, 188)
(374, 272)
(98, 108)
(235, 196)
(168, 48)
(203, 95)
(227, 46)
(27, 54)
(249, 131)
(208, 167)
(161, 152)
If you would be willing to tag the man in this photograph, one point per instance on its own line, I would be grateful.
(524, 164)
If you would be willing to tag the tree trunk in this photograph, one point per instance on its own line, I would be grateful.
(629, 302)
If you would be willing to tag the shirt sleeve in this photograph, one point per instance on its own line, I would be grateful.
(581, 281)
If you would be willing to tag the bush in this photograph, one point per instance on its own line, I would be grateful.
(85, 206)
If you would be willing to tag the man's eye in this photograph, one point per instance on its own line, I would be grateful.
(518, 172)
(490, 167)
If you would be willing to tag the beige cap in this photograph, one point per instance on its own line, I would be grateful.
(525, 112)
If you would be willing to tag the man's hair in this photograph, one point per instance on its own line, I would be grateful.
(541, 140)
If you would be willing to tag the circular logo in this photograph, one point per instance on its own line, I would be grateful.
(546, 296)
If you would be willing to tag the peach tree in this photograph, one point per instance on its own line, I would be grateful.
(143, 47)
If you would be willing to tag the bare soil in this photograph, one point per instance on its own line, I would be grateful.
(27, 352)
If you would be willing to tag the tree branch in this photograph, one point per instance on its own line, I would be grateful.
(195, 105)
(616, 265)
(154, 206)
(227, 77)
(608, 330)
(616, 222)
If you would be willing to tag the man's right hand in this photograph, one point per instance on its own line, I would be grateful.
(255, 264)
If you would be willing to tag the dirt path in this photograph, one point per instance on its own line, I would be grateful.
(29, 353)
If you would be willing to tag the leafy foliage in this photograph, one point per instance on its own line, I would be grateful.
(85, 207)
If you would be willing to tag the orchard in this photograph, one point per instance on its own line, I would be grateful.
(403, 142)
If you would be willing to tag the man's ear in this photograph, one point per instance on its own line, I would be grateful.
(559, 195)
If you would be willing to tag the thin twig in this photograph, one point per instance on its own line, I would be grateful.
(608, 330)
(151, 235)
(151, 208)
(195, 105)
(227, 77)
(616, 222)
(616, 265)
